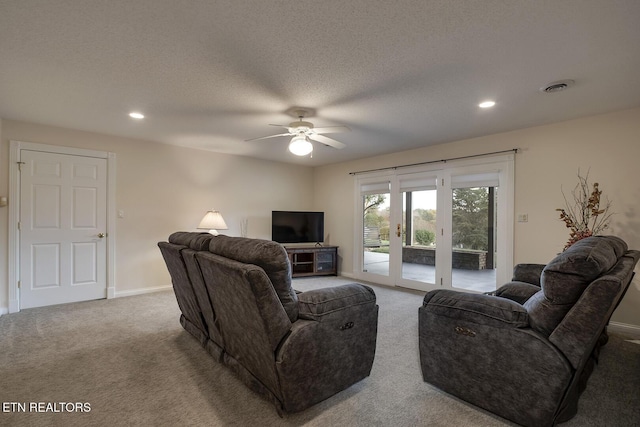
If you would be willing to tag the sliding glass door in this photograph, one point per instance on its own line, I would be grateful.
(440, 226)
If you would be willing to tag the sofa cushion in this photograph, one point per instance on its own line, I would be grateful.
(185, 295)
(194, 240)
(318, 303)
(528, 273)
(545, 316)
(516, 291)
(266, 254)
(476, 308)
(565, 278)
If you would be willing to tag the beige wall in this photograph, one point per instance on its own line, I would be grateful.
(162, 189)
(549, 157)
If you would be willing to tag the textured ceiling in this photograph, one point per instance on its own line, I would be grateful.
(401, 74)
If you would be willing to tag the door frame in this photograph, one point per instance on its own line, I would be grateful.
(368, 178)
(13, 266)
(500, 163)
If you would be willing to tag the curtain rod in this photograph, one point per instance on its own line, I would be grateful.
(514, 150)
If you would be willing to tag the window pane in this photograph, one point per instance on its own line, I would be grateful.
(375, 233)
(419, 235)
(473, 238)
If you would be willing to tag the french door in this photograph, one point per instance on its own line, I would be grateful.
(437, 226)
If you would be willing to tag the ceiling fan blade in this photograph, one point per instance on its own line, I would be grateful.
(270, 136)
(332, 129)
(280, 126)
(327, 141)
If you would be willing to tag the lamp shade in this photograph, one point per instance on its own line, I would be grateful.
(213, 221)
(300, 145)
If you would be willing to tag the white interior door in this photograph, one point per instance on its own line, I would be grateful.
(63, 205)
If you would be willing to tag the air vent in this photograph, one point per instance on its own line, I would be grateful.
(557, 86)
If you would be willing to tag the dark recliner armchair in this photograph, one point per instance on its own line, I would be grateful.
(526, 352)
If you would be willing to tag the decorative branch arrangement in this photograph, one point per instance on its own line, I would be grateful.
(584, 215)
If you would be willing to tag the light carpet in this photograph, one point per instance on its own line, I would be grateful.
(129, 362)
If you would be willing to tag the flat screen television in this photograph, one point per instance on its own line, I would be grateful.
(297, 227)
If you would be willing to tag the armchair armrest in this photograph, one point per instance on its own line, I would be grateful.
(519, 292)
(476, 308)
(320, 303)
(528, 273)
(330, 346)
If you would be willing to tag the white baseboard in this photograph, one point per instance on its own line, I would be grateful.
(116, 294)
(624, 328)
(119, 294)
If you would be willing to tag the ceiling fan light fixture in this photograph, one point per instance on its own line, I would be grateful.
(300, 145)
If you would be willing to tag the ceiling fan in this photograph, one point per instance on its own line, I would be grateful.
(302, 131)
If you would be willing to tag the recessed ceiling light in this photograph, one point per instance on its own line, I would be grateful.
(136, 115)
(486, 104)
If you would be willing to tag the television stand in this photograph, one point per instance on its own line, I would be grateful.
(313, 260)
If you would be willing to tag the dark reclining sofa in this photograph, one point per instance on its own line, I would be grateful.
(526, 352)
(236, 299)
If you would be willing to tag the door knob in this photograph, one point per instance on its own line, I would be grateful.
(101, 235)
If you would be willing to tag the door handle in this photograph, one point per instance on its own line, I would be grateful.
(398, 233)
(101, 235)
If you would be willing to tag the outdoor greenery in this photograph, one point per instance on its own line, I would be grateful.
(424, 227)
(470, 217)
(384, 249)
(427, 215)
(425, 237)
(371, 203)
(372, 217)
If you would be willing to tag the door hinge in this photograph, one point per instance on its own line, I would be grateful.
(18, 284)
(18, 225)
(442, 182)
(441, 281)
(20, 166)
